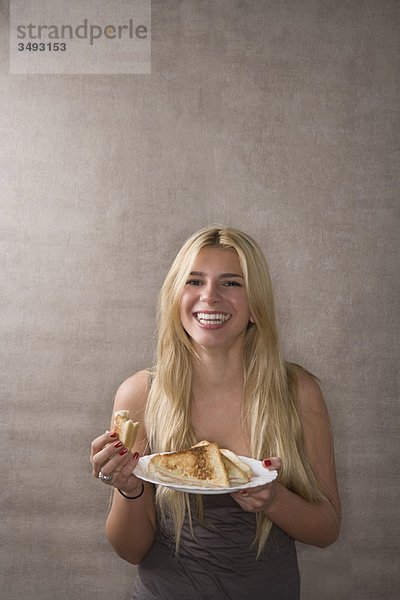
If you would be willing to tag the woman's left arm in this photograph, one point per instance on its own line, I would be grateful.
(311, 523)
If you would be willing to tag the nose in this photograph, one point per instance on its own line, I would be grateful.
(210, 294)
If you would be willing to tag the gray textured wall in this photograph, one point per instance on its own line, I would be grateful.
(279, 117)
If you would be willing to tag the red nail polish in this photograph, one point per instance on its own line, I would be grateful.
(267, 462)
(113, 434)
(123, 451)
(135, 455)
(118, 445)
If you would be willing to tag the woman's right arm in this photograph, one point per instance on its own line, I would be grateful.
(130, 525)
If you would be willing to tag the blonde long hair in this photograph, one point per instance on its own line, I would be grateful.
(270, 412)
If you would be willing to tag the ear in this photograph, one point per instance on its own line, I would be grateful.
(251, 319)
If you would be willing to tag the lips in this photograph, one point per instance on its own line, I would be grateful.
(215, 319)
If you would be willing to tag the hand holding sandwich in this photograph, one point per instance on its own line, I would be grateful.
(111, 456)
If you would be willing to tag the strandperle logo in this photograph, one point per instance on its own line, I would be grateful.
(84, 31)
(80, 37)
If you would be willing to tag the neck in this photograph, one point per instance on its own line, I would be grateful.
(218, 371)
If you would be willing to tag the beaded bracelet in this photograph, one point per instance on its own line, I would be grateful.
(133, 497)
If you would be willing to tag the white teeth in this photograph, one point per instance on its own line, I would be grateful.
(212, 318)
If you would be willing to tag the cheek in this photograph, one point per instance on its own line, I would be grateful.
(242, 305)
(182, 309)
(185, 298)
(185, 305)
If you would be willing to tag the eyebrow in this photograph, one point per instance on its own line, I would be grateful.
(222, 276)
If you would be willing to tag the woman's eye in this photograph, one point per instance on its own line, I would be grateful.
(193, 282)
(232, 283)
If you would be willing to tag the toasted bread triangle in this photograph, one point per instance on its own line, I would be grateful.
(238, 471)
(241, 472)
(201, 465)
(235, 473)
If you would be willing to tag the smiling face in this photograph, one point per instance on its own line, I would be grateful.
(214, 308)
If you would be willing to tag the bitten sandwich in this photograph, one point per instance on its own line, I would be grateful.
(127, 430)
(203, 465)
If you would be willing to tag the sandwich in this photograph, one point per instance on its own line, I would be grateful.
(198, 466)
(127, 430)
(203, 465)
(238, 471)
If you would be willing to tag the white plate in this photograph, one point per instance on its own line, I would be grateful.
(261, 476)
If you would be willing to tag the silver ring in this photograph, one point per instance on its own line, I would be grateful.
(105, 478)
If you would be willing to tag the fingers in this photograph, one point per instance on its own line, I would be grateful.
(252, 500)
(255, 499)
(100, 442)
(258, 498)
(113, 463)
(108, 454)
(118, 471)
(271, 463)
(120, 464)
(102, 449)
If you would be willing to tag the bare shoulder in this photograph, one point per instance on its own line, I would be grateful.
(132, 394)
(309, 394)
(317, 431)
(315, 420)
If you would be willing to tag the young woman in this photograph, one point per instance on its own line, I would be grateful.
(220, 376)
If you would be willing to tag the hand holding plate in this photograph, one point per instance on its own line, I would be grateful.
(258, 499)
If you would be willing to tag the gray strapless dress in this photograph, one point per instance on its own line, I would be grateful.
(220, 564)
